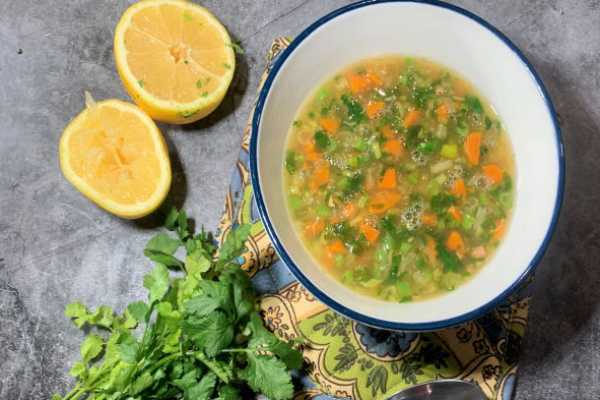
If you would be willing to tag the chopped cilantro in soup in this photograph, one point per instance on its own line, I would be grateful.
(398, 176)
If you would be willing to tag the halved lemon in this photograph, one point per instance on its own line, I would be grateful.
(175, 59)
(114, 154)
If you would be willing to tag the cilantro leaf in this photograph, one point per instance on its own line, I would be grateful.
(182, 228)
(128, 348)
(91, 347)
(244, 298)
(111, 352)
(472, 103)
(421, 95)
(139, 310)
(197, 262)
(177, 221)
(78, 313)
(103, 317)
(212, 333)
(186, 381)
(143, 382)
(351, 184)
(77, 369)
(268, 375)
(228, 392)
(201, 305)
(263, 339)
(126, 321)
(120, 376)
(166, 310)
(163, 259)
(322, 140)
(163, 243)
(161, 249)
(449, 260)
(440, 202)
(234, 243)
(157, 282)
(356, 113)
(430, 146)
(171, 219)
(204, 389)
(204, 240)
(219, 292)
(412, 136)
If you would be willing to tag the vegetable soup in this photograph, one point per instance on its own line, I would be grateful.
(398, 176)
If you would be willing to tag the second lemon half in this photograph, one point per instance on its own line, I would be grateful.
(175, 59)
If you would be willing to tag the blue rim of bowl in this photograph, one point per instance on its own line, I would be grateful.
(318, 293)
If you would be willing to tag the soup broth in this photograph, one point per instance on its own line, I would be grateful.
(398, 178)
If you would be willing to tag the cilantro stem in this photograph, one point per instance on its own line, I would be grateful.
(75, 393)
(212, 366)
(147, 327)
(155, 366)
(164, 361)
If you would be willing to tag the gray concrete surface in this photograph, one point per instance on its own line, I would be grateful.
(55, 246)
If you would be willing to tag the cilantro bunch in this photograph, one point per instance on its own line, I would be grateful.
(199, 336)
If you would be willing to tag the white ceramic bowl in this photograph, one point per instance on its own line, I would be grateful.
(466, 43)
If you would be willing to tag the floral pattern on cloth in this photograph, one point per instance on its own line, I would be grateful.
(350, 360)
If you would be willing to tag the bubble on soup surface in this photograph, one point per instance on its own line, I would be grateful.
(455, 173)
(411, 217)
(418, 157)
(480, 181)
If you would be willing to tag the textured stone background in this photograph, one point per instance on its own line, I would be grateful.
(55, 246)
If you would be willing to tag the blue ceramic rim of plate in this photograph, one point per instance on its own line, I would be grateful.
(322, 296)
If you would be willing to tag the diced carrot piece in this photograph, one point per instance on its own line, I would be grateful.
(370, 232)
(442, 113)
(320, 176)
(314, 228)
(431, 251)
(411, 118)
(455, 213)
(394, 147)
(388, 181)
(499, 230)
(455, 241)
(348, 210)
(382, 201)
(336, 247)
(493, 172)
(472, 147)
(458, 188)
(429, 219)
(310, 153)
(357, 83)
(374, 108)
(330, 124)
(388, 132)
(374, 79)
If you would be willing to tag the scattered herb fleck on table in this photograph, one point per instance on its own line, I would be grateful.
(199, 335)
